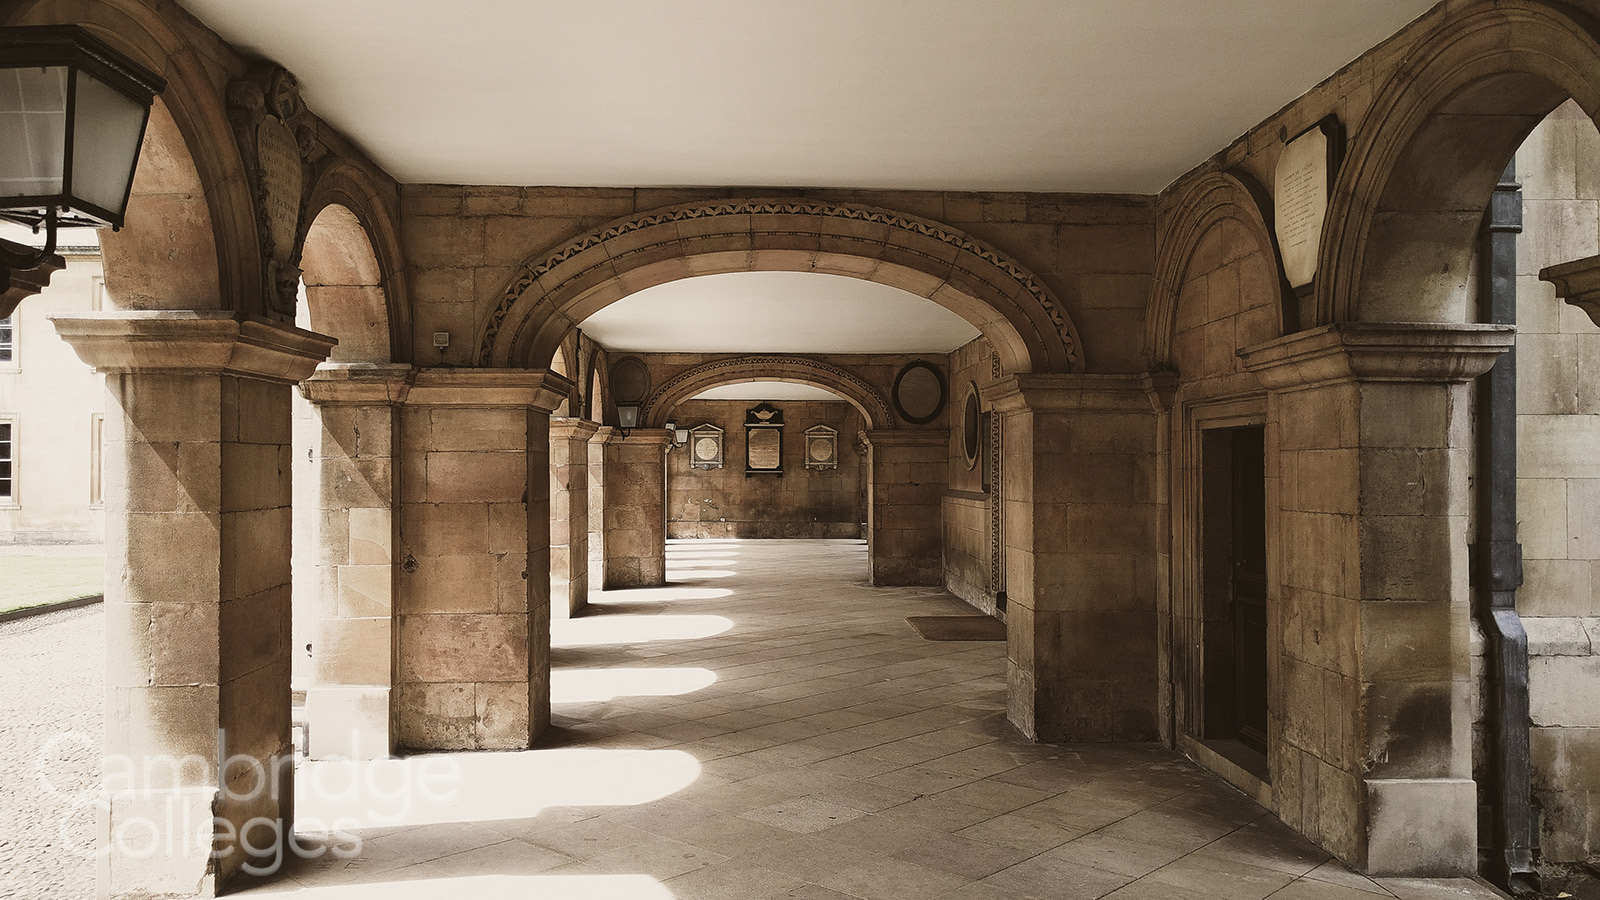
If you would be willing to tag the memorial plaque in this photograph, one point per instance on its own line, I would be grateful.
(282, 179)
(763, 440)
(705, 447)
(822, 447)
(1300, 204)
(766, 448)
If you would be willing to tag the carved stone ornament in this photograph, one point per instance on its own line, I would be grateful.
(822, 447)
(277, 139)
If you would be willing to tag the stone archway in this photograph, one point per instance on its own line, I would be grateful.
(552, 294)
(1211, 201)
(1410, 195)
(874, 409)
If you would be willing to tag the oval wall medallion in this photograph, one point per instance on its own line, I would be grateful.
(919, 392)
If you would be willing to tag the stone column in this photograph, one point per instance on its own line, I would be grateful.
(197, 736)
(1081, 554)
(905, 496)
(348, 703)
(1373, 750)
(597, 504)
(636, 508)
(569, 515)
(473, 617)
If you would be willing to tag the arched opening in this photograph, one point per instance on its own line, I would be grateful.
(344, 496)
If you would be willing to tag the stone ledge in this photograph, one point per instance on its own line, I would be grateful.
(358, 384)
(488, 388)
(1096, 393)
(894, 437)
(1429, 353)
(582, 429)
(1578, 283)
(194, 342)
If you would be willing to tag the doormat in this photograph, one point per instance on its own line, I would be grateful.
(958, 628)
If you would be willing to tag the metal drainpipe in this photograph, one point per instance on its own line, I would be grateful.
(1497, 559)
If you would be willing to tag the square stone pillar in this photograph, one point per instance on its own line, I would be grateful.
(597, 503)
(473, 615)
(1081, 554)
(197, 736)
(636, 508)
(1370, 731)
(569, 515)
(909, 471)
(348, 710)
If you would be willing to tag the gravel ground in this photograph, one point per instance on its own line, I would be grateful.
(51, 677)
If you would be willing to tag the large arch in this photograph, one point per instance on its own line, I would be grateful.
(1410, 196)
(552, 294)
(791, 369)
(1208, 202)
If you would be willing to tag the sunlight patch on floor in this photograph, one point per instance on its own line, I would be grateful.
(601, 685)
(436, 788)
(594, 631)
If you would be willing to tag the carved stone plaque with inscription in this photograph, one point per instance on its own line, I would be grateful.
(1300, 204)
(282, 179)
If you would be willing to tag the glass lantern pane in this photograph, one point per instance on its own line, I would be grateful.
(105, 143)
(33, 130)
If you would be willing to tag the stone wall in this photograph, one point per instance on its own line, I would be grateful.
(802, 503)
(1558, 485)
(969, 534)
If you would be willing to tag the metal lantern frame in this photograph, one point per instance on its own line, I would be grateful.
(82, 55)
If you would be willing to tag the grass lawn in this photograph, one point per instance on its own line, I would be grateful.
(35, 580)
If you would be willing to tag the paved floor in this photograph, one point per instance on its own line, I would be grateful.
(51, 671)
(769, 727)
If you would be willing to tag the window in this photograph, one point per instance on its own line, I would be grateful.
(8, 492)
(97, 459)
(8, 343)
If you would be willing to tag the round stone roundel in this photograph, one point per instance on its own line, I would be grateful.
(706, 449)
(819, 450)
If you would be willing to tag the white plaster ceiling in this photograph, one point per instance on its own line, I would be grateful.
(1038, 95)
(776, 312)
(767, 390)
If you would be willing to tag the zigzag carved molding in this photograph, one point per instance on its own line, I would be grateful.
(1030, 284)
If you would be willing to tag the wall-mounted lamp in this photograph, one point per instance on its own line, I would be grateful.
(72, 117)
(627, 417)
(679, 436)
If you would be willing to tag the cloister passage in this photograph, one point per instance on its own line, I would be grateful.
(767, 726)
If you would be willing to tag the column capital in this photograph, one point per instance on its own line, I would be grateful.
(358, 384)
(1046, 393)
(1418, 352)
(194, 342)
(573, 429)
(604, 434)
(536, 388)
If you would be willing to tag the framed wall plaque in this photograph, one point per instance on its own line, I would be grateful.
(822, 447)
(705, 447)
(763, 440)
